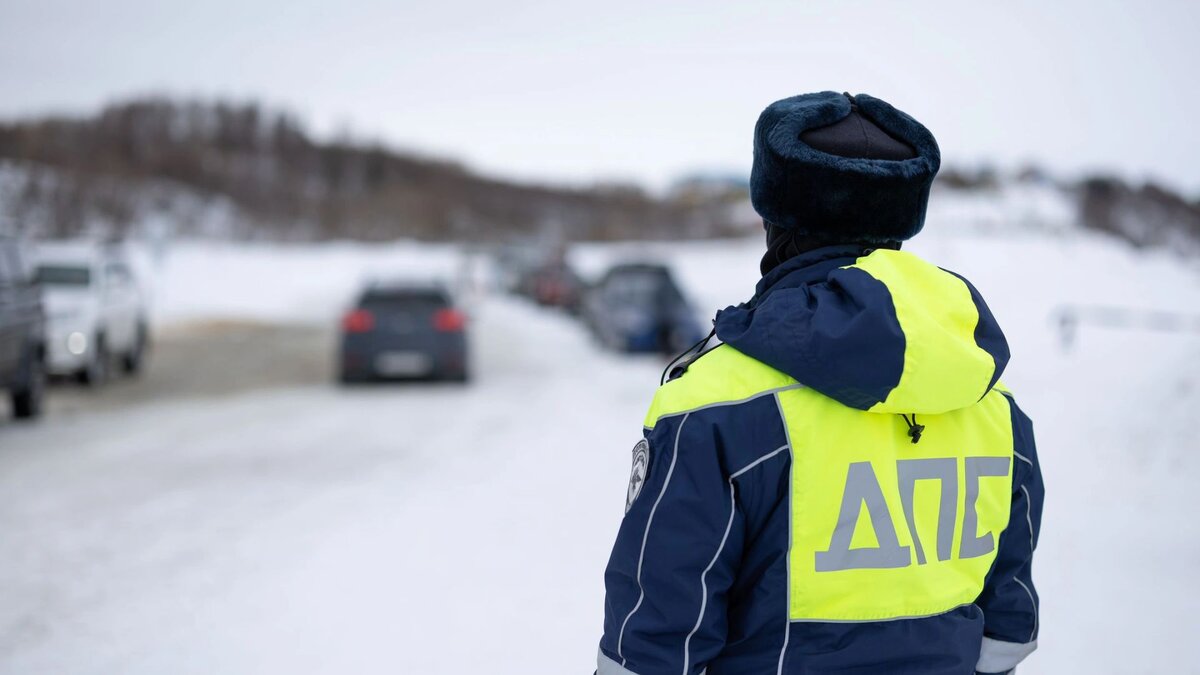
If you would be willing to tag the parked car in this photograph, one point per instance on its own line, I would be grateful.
(97, 314)
(22, 331)
(403, 330)
(638, 307)
(512, 266)
(554, 284)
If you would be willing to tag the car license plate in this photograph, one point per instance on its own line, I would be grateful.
(404, 324)
(403, 363)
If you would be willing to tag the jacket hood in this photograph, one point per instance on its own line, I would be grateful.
(877, 330)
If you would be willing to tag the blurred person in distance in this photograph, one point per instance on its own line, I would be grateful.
(843, 485)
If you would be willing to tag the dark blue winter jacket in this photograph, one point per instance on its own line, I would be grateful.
(843, 486)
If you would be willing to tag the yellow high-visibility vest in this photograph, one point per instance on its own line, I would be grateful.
(881, 527)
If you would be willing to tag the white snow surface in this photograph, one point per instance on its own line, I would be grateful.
(430, 529)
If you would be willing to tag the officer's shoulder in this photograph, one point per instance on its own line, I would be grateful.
(1002, 391)
(720, 375)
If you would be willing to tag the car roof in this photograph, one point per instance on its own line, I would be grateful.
(74, 252)
(401, 283)
(404, 287)
(639, 267)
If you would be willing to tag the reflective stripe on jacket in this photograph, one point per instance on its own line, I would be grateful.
(841, 487)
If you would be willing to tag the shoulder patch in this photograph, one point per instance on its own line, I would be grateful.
(637, 474)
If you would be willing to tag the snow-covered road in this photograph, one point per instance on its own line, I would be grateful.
(441, 529)
(425, 528)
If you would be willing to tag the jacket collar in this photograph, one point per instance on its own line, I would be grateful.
(809, 267)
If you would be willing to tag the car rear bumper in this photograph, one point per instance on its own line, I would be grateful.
(671, 338)
(362, 358)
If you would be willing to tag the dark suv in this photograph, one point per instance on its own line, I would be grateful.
(403, 330)
(22, 331)
(638, 307)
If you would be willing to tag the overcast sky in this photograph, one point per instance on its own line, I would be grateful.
(641, 90)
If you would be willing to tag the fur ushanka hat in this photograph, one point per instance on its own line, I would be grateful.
(842, 168)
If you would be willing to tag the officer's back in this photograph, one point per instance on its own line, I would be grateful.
(843, 486)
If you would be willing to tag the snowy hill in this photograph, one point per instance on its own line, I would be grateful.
(139, 161)
(214, 169)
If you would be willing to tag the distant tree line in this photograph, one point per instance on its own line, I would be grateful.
(284, 183)
(174, 163)
(1145, 215)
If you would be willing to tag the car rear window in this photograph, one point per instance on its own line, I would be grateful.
(407, 300)
(63, 275)
(641, 287)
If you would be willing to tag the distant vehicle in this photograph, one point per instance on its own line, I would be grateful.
(513, 264)
(97, 314)
(22, 331)
(403, 331)
(554, 285)
(638, 307)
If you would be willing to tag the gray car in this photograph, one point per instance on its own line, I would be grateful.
(22, 331)
(403, 331)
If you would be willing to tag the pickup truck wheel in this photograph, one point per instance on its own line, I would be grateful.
(95, 372)
(27, 399)
(131, 362)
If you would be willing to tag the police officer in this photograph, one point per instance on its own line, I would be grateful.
(844, 485)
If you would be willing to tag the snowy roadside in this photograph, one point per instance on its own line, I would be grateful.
(203, 360)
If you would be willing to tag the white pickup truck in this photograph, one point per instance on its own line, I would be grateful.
(96, 314)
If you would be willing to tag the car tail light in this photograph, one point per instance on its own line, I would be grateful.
(449, 320)
(358, 321)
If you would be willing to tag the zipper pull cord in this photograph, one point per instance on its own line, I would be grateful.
(914, 430)
(697, 348)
